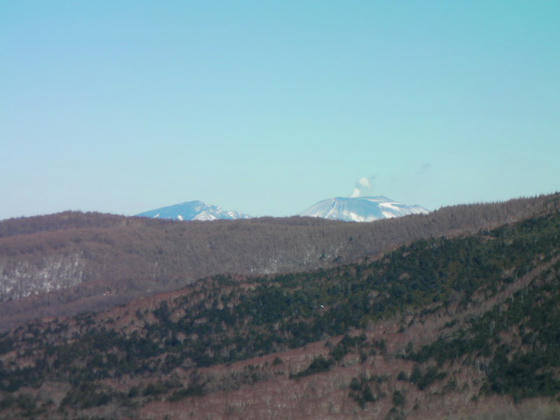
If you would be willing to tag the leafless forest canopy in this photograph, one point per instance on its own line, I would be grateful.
(451, 324)
(94, 261)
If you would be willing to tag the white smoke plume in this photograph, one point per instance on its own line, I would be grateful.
(364, 187)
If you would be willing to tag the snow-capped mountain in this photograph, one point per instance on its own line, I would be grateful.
(193, 210)
(361, 209)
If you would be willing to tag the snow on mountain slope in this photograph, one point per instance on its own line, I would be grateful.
(361, 209)
(193, 210)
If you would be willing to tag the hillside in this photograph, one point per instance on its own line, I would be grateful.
(462, 327)
(71, 262)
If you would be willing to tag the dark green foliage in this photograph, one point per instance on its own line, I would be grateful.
(217, 322)
(12, 380)
(6, 343)
(162, 314)
(86, 395)
(424, 379)
(318, 364)
(521, 372)
(277, 361)
(355, 384)
(416, 375)
(133, 392)
(195, 388)
(451, 385)
(192, 391)
(399, 398)
(158, 388)
(361, 392)
(380, 345)
(346, 345)
(409, 348)
(395, 414)
(23, 404)
(526, 375)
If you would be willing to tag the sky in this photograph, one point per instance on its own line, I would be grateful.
(267, 107)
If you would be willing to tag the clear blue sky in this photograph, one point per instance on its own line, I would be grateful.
(266, 107)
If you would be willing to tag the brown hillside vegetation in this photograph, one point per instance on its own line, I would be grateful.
(461, 328)
(70, 262)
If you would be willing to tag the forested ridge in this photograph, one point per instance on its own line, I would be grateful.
(65, 263)
(487, 306)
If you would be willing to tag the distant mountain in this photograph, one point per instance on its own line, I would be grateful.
(193, 210)
(361, 209)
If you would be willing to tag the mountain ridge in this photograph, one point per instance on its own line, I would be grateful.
(67, 263)
(349, 209)
(193, 210)
(361, 209)
(438, 328)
